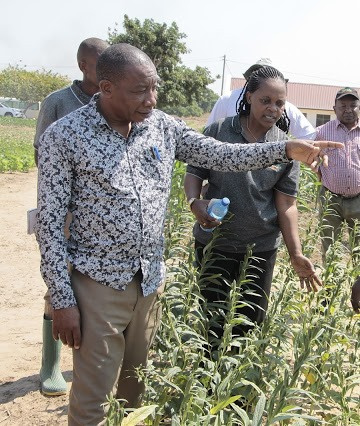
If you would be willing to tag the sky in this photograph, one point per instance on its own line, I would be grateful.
(311, 41)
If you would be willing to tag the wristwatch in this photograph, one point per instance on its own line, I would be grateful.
(191, 201)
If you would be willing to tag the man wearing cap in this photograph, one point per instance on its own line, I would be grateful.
(225, 106)
(340, 190)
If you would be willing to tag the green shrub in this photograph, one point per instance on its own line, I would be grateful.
(16, 144)
(182, 111)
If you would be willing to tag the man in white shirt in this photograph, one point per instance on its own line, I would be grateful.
(225, 106)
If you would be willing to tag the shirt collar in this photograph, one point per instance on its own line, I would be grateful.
(338, 123)
(99, 120)
(94, 115)
(271, 135)
(236, 125)
(82, 96)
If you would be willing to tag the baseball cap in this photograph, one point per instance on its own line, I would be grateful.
(260, 63)
(346, 91)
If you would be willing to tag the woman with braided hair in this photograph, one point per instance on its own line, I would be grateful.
(243, 106)
(263, 202)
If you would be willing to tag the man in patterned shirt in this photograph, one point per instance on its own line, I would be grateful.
(340, 192)
(55, 106)
(110, 163)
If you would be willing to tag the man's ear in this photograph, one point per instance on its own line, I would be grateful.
(105, 87)
(82, 65)
(248, 97)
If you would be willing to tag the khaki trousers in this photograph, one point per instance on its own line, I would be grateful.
(117, 328)
(334, 211)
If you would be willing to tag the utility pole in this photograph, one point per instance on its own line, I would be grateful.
(223, 75)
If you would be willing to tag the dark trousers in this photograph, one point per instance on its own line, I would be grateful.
(255, 292)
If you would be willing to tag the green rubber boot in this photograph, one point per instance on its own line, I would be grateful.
(52, 381)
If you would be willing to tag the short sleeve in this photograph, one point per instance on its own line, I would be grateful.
(200, 172)
(289, 182)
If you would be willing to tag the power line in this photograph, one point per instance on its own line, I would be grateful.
(197, 60)
(229, 70)
(217, 59)
(285, 72)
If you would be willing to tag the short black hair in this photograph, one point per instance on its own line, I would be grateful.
(91, 46)
(113, 62)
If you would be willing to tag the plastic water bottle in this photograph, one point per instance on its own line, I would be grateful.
(217, 208)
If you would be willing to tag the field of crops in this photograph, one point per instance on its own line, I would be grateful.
(16, 149)
(302, 367)
(17, 138)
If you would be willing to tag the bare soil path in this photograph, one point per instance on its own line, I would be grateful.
(21, 307)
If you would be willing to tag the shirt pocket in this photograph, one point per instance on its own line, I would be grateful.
(156, 168)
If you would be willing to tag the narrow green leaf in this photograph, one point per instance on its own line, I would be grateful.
(259, 411)
(224, 404)
(138, 415)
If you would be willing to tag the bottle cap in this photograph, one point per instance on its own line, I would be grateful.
(225, 201)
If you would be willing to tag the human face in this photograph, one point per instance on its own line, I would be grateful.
(347, 110)
(133, 96)
(267, 103)
(90, 69)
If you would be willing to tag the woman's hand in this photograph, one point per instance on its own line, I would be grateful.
(199, 208)
(306, 272)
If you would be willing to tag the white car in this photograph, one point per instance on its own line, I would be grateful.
(10, 112)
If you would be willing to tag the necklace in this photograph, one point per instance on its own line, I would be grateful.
(247, 127)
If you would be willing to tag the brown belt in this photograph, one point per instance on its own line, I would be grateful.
(346, 197)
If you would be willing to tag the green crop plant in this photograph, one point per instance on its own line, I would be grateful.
(300, 367)
(16, 144)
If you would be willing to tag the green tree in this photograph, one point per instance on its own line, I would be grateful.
(29, 86)
(182, 91)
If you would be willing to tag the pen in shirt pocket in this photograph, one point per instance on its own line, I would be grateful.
(156, 153)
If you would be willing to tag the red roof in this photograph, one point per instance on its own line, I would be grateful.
(304, 95)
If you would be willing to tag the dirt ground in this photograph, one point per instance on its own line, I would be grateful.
(21, 306)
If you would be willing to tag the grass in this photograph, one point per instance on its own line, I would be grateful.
(16, 144)
(17, 137)
(197, 123)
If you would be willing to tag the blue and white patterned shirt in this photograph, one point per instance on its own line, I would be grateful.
(117, 190)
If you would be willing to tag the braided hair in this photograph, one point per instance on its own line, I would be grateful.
(252, 84)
